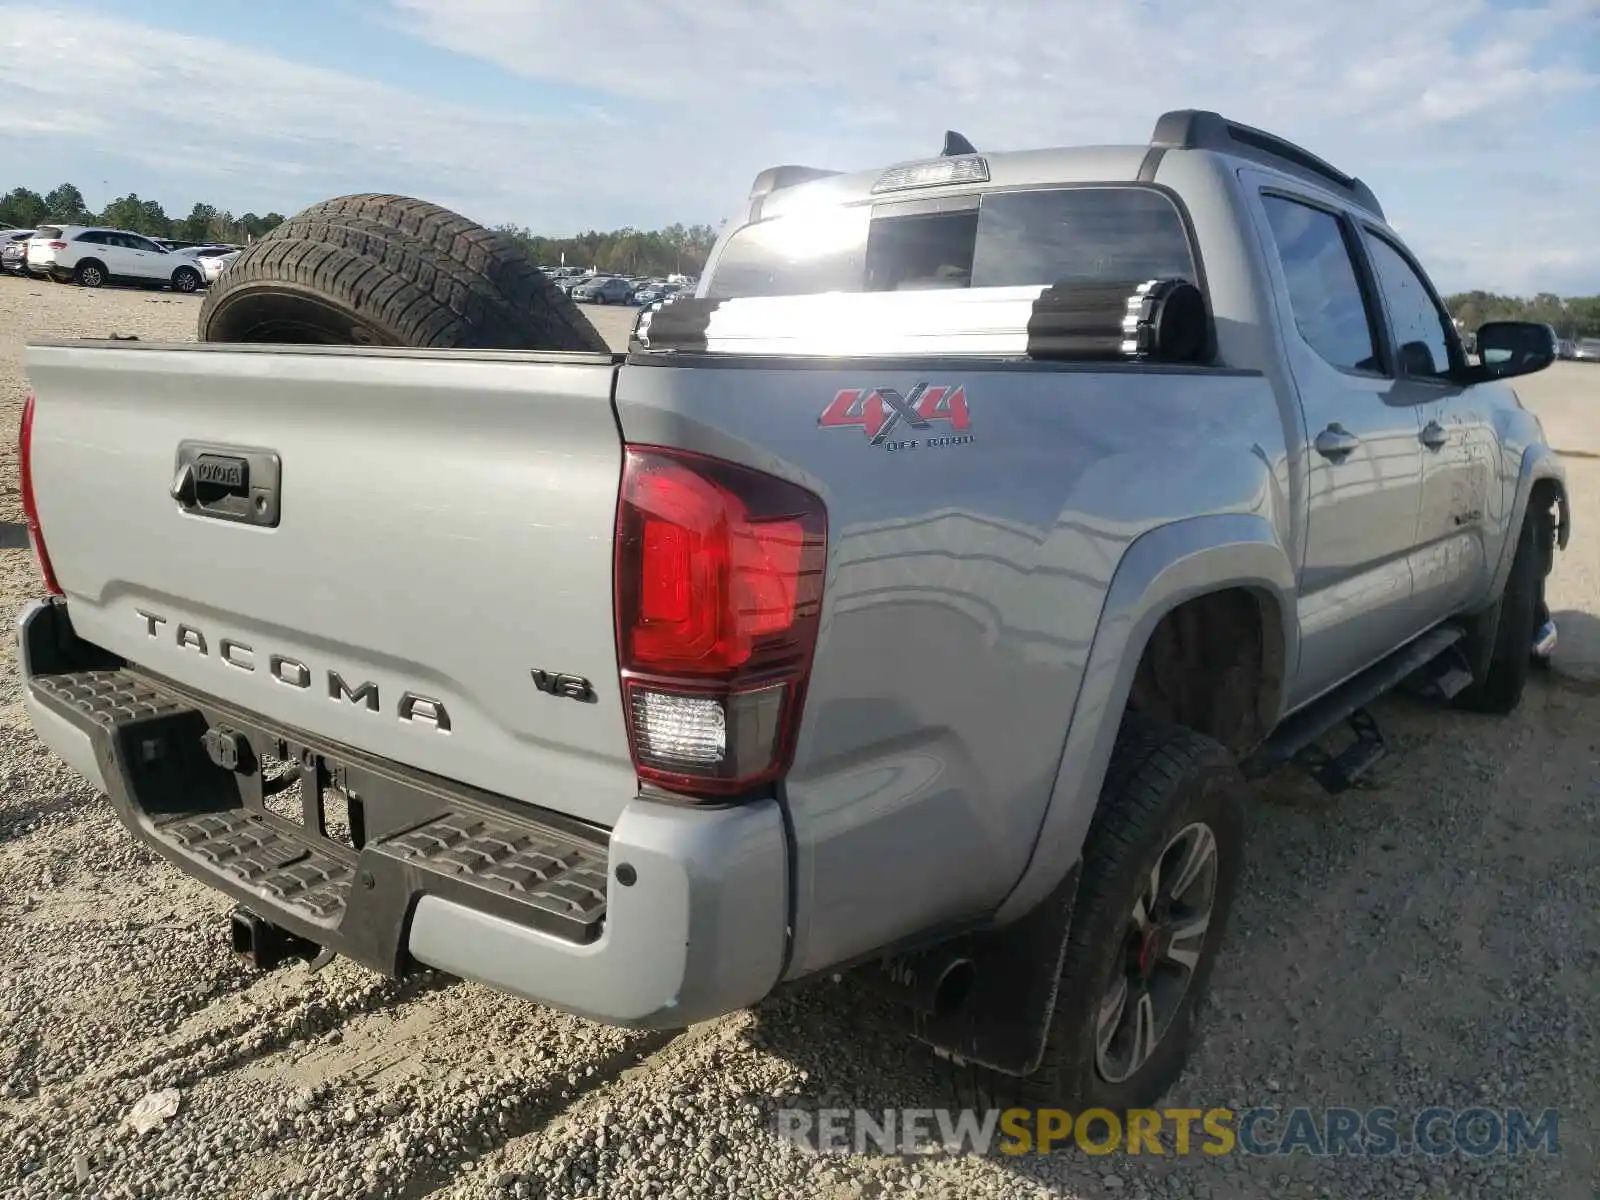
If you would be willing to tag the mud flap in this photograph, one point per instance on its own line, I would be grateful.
(1006, 1016)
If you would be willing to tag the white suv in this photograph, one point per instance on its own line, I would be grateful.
(93, 257)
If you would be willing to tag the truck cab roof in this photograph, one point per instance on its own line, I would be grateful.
(786, 189)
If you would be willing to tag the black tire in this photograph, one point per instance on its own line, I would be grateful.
(391, 271)
(186, 280)
(1515, 618)
(89, 274)
(1163, 782)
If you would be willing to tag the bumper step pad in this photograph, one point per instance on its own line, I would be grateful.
(566, 882)
(421, 834)
(261, 857)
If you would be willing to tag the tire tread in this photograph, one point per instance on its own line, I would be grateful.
(419, 274)
(1149, 766)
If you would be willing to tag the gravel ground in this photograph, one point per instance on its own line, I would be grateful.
(1431, 940)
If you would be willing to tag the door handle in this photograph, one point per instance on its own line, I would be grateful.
(1433, 436)
(1336, 442)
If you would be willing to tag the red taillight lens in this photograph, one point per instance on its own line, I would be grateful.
(718, 597)
(56, 245)
(30, 510)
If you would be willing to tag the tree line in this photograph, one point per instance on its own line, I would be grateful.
(676, 249)
(1570, 316)
(24, 208)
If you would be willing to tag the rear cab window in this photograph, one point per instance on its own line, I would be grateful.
(998, 239)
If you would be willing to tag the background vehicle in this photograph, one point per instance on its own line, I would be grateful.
(1586, 350)
(914, 598)
(93, 257)
(611, 289)
(14, 250)
(212, 260)
(213, 265)
(653, 292)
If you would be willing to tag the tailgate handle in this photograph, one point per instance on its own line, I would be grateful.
(228, 483)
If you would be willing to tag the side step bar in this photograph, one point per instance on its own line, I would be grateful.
(1434, 662)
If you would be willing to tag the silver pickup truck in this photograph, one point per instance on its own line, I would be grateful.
(914, 599)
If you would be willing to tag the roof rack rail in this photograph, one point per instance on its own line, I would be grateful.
(775, 179)
(1197, 129)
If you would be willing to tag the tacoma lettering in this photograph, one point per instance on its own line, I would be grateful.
(366, 696)
(287, 670)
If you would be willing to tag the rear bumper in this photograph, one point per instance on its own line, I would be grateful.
(440, 875)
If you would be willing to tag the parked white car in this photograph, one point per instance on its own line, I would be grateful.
(94, 257)
(213, 262)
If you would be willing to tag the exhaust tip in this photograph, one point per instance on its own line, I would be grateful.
(954, 986)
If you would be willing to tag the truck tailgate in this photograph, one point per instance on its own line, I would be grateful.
(444, 533)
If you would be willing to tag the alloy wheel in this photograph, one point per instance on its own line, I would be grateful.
(1162, 943)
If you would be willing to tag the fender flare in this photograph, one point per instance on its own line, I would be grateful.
(1160, 570)
(1539, 463)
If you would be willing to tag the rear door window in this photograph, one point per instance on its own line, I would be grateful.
(1324, 290)
(1110, 233)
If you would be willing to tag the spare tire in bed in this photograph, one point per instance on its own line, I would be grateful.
(380, 270)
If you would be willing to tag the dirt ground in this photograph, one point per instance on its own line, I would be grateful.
(1431, 940)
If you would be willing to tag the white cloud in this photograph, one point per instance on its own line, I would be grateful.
(276, 132)
(1419, 97)
(1460, 115)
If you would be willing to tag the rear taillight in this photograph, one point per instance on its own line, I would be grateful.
(718, 596)
(30, 509)
(56, 245)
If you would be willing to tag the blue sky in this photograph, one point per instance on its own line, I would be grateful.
(1478, 124)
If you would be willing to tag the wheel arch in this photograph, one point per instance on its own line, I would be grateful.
(1541, 479)
(1166, 571)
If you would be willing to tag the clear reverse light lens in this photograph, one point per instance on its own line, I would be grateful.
(686, 730)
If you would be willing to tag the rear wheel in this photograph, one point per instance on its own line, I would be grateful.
(89, 274)
(391, 271)
(1515, 618)
(1161, 864)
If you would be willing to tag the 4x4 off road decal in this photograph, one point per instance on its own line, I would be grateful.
(880, 412)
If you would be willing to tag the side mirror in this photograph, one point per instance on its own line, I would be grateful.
(1508, 348)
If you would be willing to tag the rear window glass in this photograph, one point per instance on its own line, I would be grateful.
(48, 231)
(1010, 239)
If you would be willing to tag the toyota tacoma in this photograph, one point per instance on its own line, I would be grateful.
(914, 599)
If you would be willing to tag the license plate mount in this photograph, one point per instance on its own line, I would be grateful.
(306, 789)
